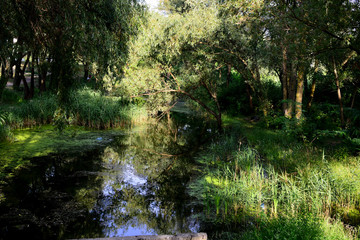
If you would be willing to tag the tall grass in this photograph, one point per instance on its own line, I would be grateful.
(5, 133)
(86, 108)
(92, 109)
(239, 187)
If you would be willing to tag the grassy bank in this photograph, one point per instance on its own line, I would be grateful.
(264, 184)
(86, 107)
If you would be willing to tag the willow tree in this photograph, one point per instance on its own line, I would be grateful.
(169, 60)
(66, 32)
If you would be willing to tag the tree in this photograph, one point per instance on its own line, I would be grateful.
(64, 31)
(170, 60)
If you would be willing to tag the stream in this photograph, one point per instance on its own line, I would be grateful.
(134, 185)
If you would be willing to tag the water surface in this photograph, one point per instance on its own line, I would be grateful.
(134, 185)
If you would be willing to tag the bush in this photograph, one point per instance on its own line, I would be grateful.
(239, 188)
(86, 107)
(5, 133)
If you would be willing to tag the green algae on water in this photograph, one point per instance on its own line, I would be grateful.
(46, 140)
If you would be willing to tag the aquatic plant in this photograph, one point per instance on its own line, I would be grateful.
(86, 107)
(245, 186)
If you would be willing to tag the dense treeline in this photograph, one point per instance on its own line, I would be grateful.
(194, 50)
(53, 37)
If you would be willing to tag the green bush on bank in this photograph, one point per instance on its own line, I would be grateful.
(86, 107)
(5, 133)
(238, 187)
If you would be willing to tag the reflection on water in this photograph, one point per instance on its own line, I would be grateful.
(134, 186)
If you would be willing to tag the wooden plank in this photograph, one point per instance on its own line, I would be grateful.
(186, 236)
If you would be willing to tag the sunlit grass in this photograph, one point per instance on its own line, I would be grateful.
(86, 107)
(251, 175)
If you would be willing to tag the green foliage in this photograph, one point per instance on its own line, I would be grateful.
(353, 122)
(171, 58)
(37, 111)
(321, 123)
(233, 98)
(276, 184)
(11, 97)
(5, 133)
(86, 107)
(301, 227)
(93, 109)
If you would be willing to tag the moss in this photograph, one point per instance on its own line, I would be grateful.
(45, 140)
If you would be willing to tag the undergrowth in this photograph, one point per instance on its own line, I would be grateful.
(267, 181)
(86, 107)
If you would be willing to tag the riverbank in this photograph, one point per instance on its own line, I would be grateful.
(256, 183)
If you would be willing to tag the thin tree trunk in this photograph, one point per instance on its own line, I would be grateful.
(3, 78)
(32, 79)
(313, 85)
(248, 91)
(26, 86)
(17, 78)
(43, 69)
(228, 76)
(86, 71)
(218, 116)
(284, 81)
(339, 94)
(213, 95)
(12, 64)
(299, 92)
(292, 88)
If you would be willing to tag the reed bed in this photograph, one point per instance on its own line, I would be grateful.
(86, 107)
(239, 187)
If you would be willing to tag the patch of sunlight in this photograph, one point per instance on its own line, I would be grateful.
(46, 140)
(347, 176)
(216, 181)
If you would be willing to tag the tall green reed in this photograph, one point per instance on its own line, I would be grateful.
(239, 185)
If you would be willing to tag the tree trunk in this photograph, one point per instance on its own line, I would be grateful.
(313, 85)
(26, 86)
(284, 82)
(228, 76)
(299, 92)
(12, 64)
(32, 79)
(292, 88)
(3, 78)
(339, 94)
(86, 72)
(248, 91)
(218, 116)
(42, 69)
(17, 78)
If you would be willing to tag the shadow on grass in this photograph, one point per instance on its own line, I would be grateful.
(256, 175)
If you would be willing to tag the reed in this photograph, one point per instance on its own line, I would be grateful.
(86, 107)
(239, 184)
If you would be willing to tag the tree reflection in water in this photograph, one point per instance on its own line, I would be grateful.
(136, 185)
